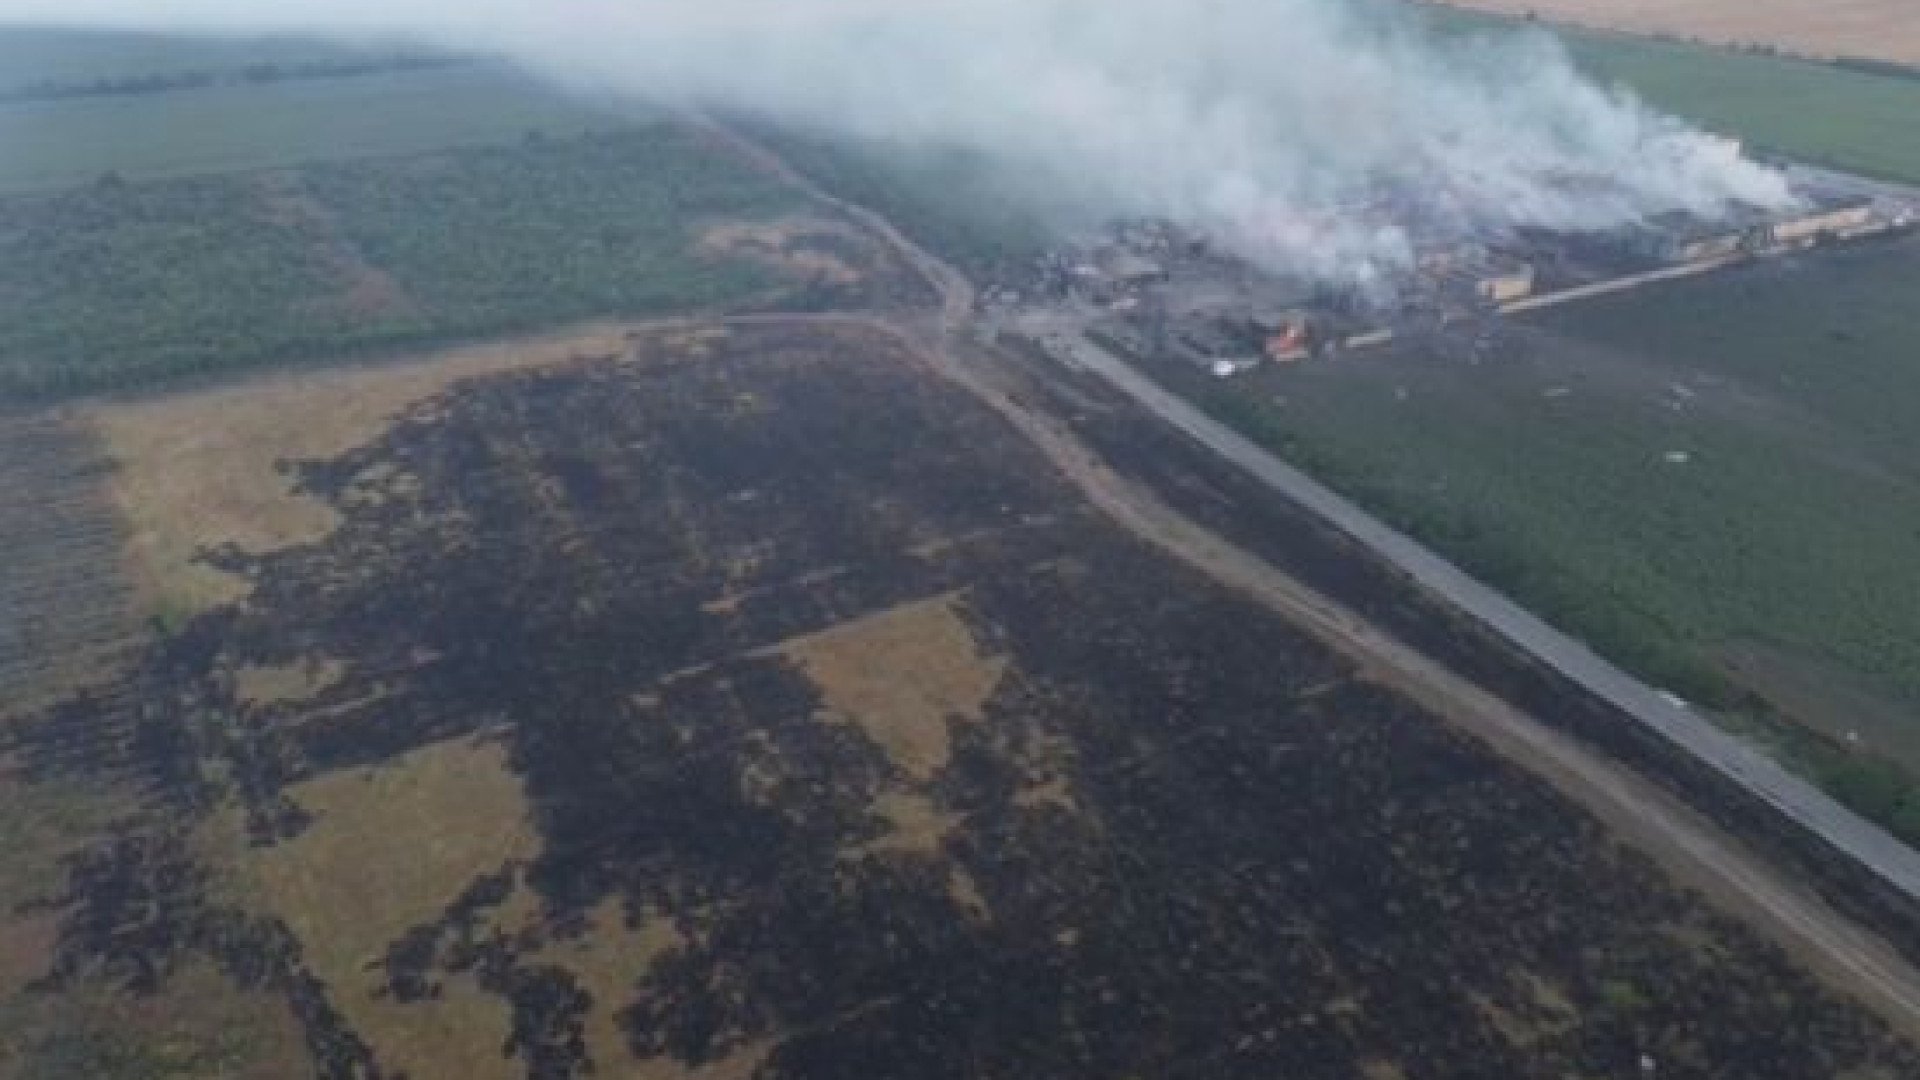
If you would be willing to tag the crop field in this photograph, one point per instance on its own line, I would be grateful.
(1820, 355)
(1713, 482)
(1834, 334)
(31, 56)
(723, 701)
(1817, 112)
(115, 286)
(76, 106)
(947, 200)
(1881, 29)
(227, 128)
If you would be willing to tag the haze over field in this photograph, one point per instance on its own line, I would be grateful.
(1267, 121)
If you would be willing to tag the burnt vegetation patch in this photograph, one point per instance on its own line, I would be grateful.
(1175, 836)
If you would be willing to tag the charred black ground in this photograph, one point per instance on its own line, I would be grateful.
(1178, 839)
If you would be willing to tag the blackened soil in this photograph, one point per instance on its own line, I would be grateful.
(1197, 846)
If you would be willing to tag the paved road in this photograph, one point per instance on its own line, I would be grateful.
(1734, 758)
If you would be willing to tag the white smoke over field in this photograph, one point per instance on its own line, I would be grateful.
(1308, 133)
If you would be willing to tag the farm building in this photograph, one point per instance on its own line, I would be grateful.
(1492, 280)
(1683, 237)
(1499, 283)
(1834, 219)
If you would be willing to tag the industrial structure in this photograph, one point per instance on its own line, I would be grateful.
(1159, 289)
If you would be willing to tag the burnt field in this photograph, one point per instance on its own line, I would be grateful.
(752, 703)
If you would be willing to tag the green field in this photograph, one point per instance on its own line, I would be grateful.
(1864, 123)
(1836, 333)
(1714, 482)
(56, 144)
(31, 55)
(121, 285)
(1805, 109)
(946, 200)
(154, 236)
(515, 237)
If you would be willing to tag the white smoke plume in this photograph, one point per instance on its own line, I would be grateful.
(1309, 134)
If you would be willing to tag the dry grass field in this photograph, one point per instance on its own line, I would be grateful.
(1879, 29)
(857, 666)
(391, 846)
(200, 472)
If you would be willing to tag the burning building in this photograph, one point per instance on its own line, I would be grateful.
(1499, 283)
(1682, 237)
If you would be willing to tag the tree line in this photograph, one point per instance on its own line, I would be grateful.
(251, 75)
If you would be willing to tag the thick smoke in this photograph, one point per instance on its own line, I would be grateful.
(1315, 135)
